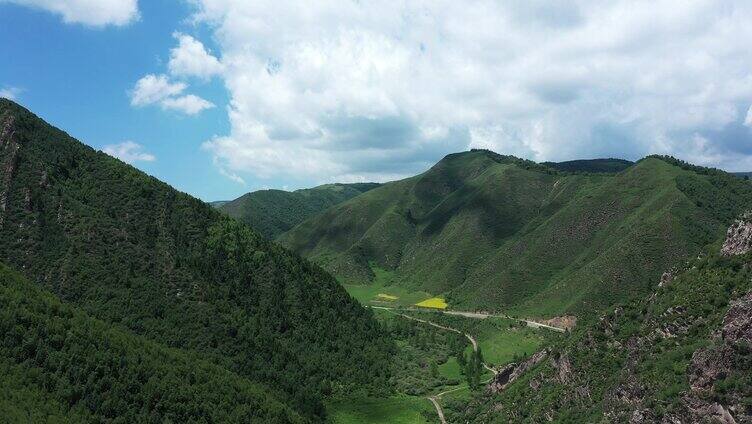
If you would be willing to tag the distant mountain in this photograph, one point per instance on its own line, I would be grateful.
(745, 175)
(133, 252)
(683, 354)
(591, 165)
(272, 212)
(500, 233)
(219, 203)
(57, 364)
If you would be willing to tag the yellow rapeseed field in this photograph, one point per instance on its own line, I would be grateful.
(384, 296)
(434, 302)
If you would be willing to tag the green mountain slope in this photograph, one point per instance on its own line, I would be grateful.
(130, 250)
(59, 365)
(496, 232)
(682, 354)
(272, 212)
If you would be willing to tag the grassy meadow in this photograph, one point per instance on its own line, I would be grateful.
(396, 410)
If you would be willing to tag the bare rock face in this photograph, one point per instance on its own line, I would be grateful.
(8, 153)
(737, 324)
(738, 237)
(566, 322)
(666, 278)
(714, 363)
(512, 372)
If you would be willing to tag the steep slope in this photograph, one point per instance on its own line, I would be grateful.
(681, 355)
(496, 232)
(130, 250)
(272, 212)
(591, 165)
(55, 361)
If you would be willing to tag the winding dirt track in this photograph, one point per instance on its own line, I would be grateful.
(438, 409)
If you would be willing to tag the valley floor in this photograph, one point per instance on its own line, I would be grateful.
(429, 376)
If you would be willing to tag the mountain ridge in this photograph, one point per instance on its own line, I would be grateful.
(129, 250)
(475, 225)
(272, 212)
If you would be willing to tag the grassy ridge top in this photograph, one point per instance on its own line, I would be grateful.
(130, 250)
(272, 212)
(56, 361)
(591, 165)
(497, 232)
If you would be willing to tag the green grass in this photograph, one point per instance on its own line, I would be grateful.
(395, 410)
(501, 344)
(451, 369)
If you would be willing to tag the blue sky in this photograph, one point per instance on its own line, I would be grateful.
(221, 97)
(77, 77)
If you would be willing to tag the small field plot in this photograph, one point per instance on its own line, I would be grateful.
(386, 297)
(385, 290)
(397, 410)
(434, 303)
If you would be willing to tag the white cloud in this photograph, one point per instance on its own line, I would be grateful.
(129, 152)
(88, 12)
(190, 58)
(748, 119)
(329, 89)
(159, 89)
(188, 104)
(154, 88)
(10, 92)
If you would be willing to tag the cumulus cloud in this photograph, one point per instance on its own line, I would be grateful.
(190, 58)
(88, 12)
(188, 104)
(129, 152)
(10, 92)
(159, 89)
(748, 119)
(375, 90)
(154, 88)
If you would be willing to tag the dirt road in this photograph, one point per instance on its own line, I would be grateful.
(476, 315)
(435, 398)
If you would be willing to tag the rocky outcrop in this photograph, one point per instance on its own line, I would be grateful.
(713, 364)
(8, 153)
(566, 322)
(513, 371)
(738, 237)
(737, 324)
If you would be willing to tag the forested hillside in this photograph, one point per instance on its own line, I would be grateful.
(272, 212)
(591, 165)
(129, 250)
(680, 355)
(500, 233)
(59, 365)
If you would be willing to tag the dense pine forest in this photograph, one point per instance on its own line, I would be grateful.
(59, 364)
(131, 251)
